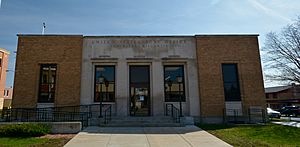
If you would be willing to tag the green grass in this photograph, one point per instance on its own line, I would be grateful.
(22, 141)
(31, 142)
(255, 135)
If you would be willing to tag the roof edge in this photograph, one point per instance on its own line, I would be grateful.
(222, 35)
(141, 36)
(138, 36)
(50, 35)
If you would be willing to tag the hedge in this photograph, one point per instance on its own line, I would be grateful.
(24, 130)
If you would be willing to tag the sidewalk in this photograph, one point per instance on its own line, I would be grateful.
(189, 136)
(291, 118)
(291, 123)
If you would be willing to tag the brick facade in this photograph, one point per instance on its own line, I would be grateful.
(70, 54)
(212, 51)
(280, 96)
(65, 51)
(4, 55)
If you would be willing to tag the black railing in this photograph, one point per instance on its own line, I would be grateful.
(257, 115)
(174, 112)
(92, 109)
(250, 115)
(40, 115)
(107, 114)
(57, 114)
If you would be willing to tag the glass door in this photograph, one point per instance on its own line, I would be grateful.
(139, 90)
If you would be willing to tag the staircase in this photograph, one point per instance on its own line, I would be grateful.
(151, 121)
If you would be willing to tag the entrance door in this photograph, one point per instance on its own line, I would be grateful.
(139, 90)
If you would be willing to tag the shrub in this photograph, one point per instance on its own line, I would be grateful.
(24, 130)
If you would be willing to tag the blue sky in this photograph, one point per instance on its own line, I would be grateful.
(142, 17)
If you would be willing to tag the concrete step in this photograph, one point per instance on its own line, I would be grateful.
(141, 121)
(141, 125)
(158, 121)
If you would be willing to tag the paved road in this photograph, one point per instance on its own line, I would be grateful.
(189, 136)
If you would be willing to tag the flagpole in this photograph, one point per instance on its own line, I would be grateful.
(44, 26)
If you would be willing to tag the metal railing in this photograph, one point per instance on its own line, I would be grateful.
(92, 109)
(107, 114)
(38, 115)
(174, 112)
(250, 115)
(257, 115)
(58, 114)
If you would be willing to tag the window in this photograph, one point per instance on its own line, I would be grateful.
(174, 83)
(104, 84)
(267, 96)
(47, 83)
(275, 95)
(231, 82)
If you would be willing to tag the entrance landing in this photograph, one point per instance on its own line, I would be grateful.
(188, 136)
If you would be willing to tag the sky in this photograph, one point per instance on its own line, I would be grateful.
(141, 17)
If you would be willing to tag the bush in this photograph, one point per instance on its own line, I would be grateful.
(24, 130)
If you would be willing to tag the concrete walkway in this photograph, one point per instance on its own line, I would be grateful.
(189, 136)
(292, 123)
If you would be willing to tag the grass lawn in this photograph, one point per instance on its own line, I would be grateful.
(33, 142)
(255, 135)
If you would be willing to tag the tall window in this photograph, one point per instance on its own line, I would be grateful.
(104, 83)
(231, 82)
(174, 83)
(47, 83)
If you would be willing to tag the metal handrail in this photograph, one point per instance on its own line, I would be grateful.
(174, 112)
(62, 113)
(91, 109)
(107, 114)
(35, 115)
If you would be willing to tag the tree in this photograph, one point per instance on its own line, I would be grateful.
(283, 53)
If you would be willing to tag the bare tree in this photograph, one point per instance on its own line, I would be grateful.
(283, 53)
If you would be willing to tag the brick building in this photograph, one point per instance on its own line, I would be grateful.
(4, 54)
(139, 75)
(280, 96)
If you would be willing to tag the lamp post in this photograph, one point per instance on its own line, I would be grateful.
(106, 83)
(169, 82)
(179, 81)
(101, 81)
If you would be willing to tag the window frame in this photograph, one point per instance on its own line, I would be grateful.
(50, 65)
(183, 84)
(103, 88)
(237, 82)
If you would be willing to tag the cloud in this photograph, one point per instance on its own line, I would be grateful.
(267, 10)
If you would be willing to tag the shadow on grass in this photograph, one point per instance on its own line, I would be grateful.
(215, 126)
